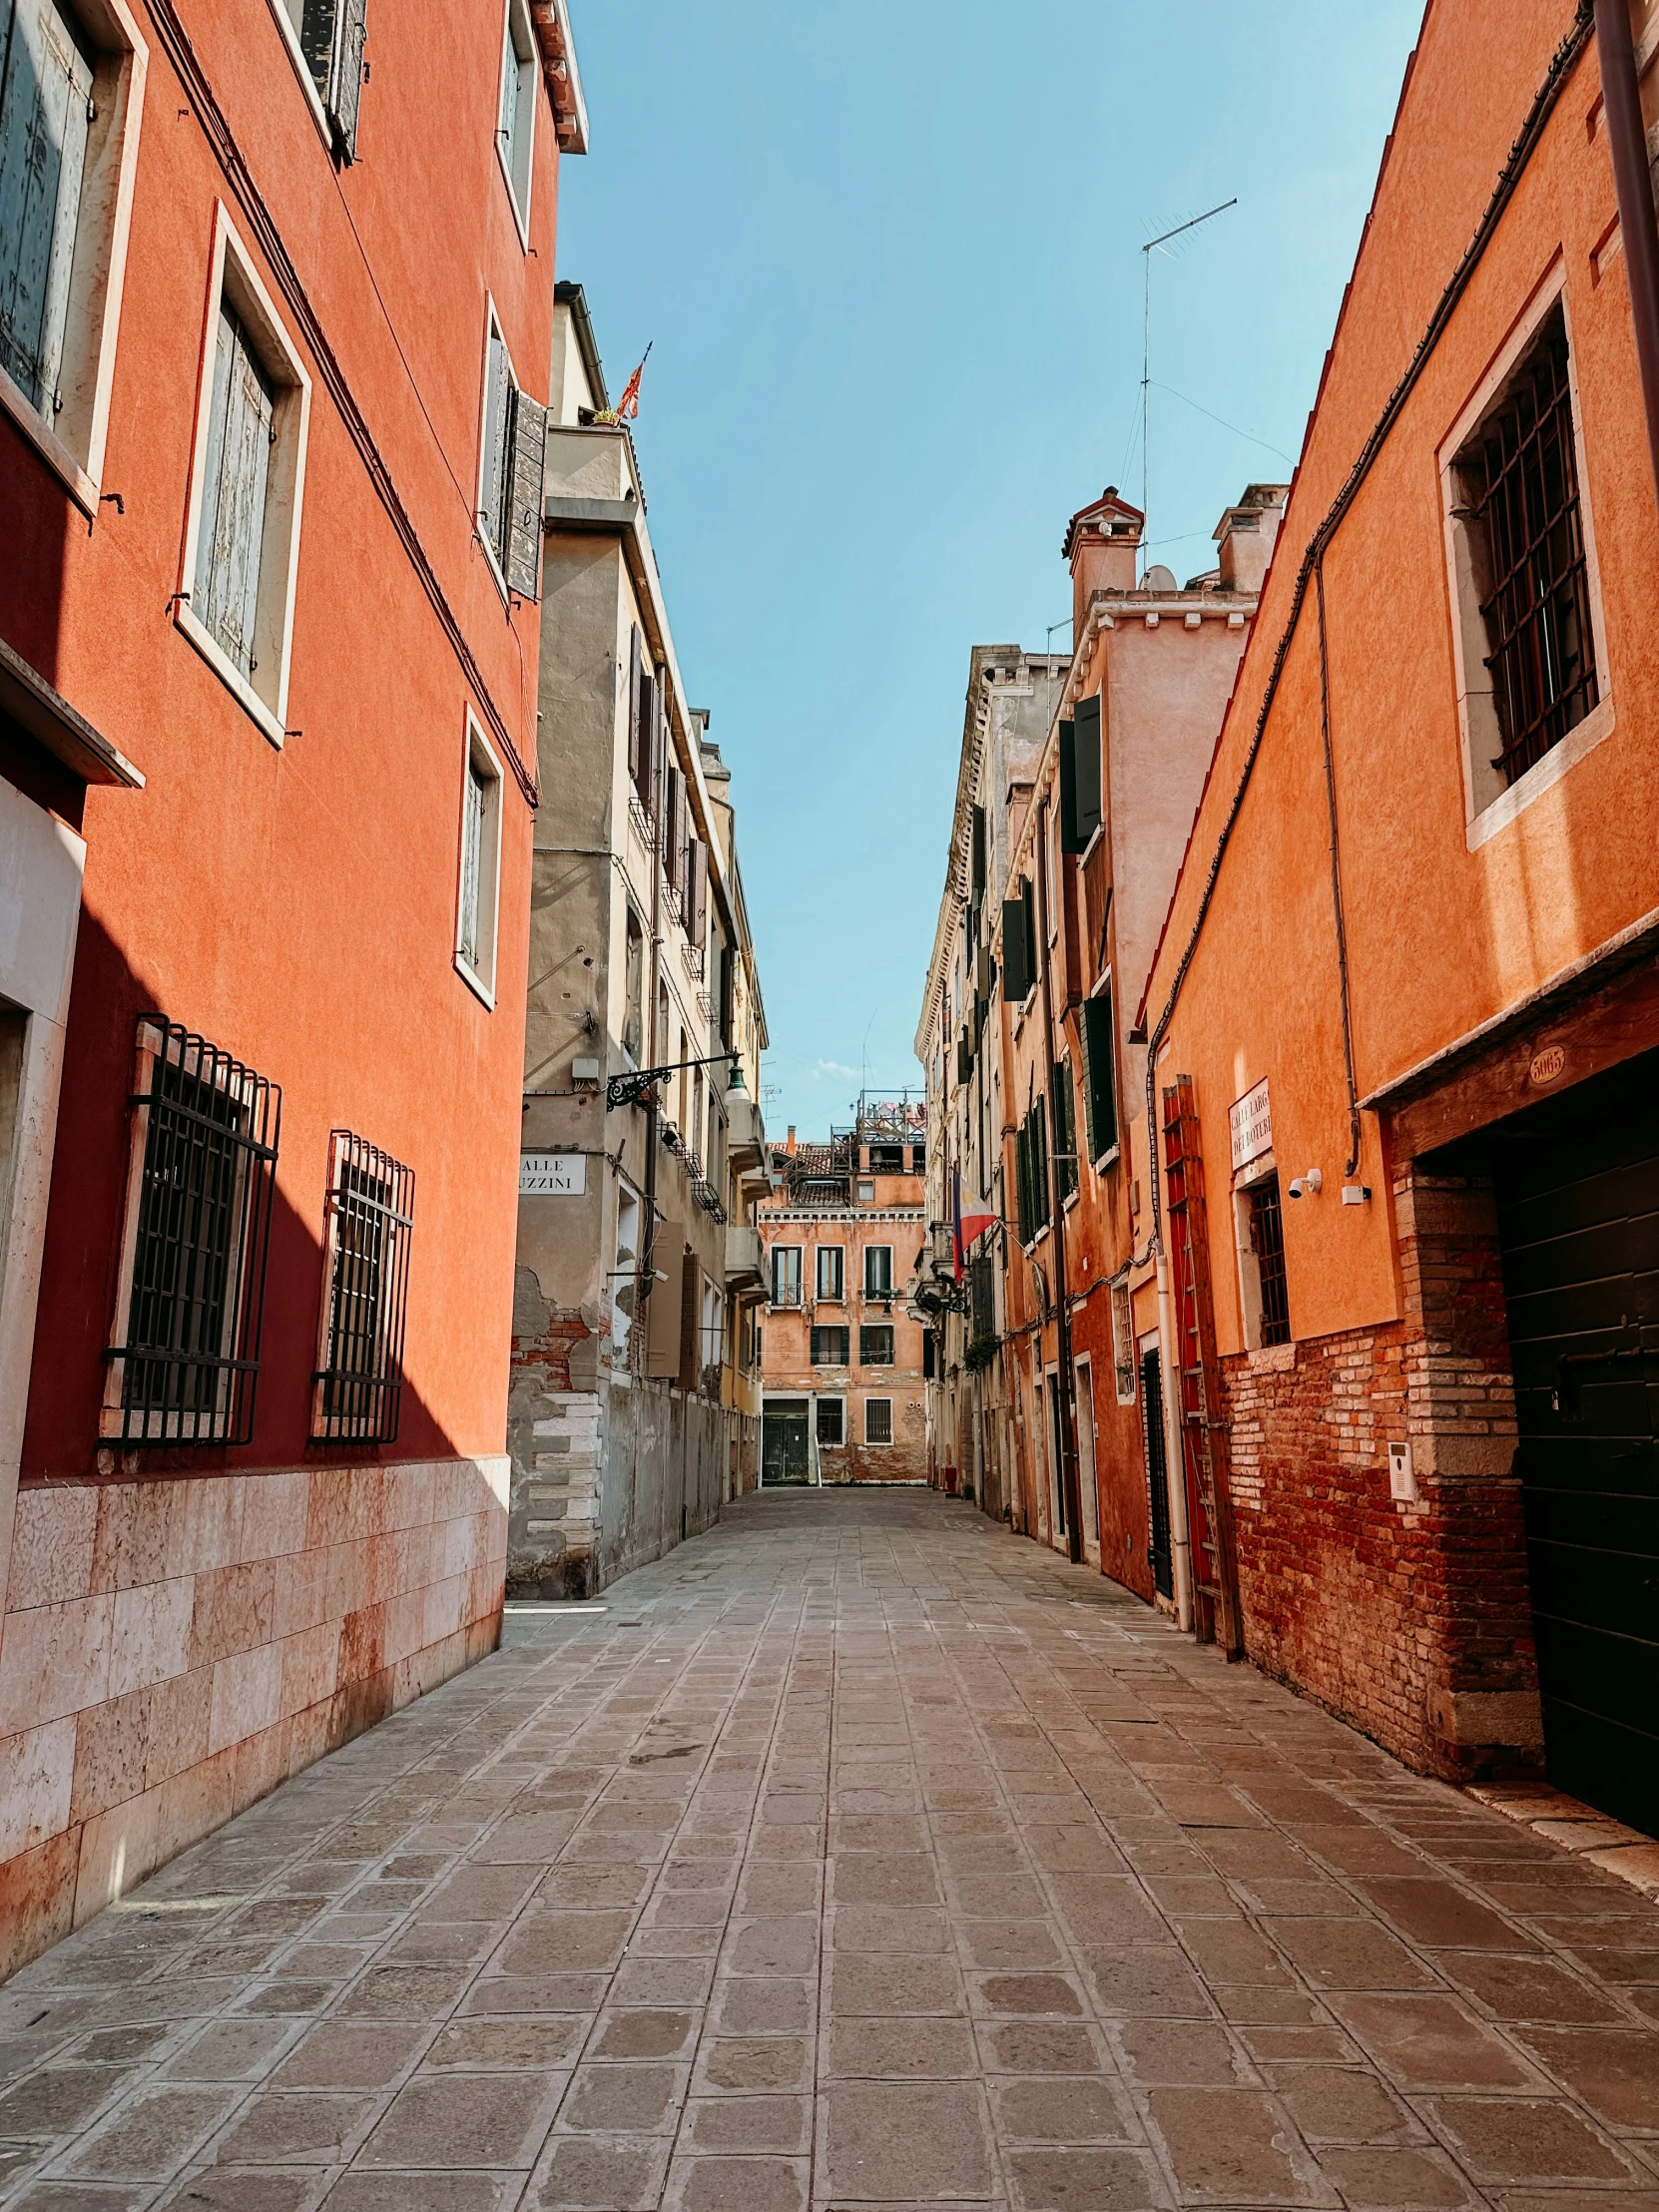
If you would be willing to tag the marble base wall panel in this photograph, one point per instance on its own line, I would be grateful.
(172, 1650)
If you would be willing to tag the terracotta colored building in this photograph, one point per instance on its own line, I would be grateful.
(1404, 1022)
(270, 484)
(1075, 796)
(842, 1353)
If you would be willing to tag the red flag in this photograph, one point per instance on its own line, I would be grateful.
(628, 406)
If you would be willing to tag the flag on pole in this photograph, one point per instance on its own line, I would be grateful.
(628, 406)
(967, 1229)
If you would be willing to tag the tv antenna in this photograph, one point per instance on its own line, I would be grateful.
(1156, 246)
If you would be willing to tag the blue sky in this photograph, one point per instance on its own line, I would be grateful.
(889, 256)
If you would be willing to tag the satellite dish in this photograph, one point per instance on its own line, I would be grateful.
(1159, 578)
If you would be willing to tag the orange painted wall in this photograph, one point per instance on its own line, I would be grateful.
(298, 906)
(1440, 938)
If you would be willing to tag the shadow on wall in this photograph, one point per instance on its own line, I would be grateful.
(184, 1630)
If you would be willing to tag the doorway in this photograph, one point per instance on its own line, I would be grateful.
(784, 1446)
(1161, 1553)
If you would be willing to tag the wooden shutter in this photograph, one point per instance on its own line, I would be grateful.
(668, 1292)
(1017, 978)
(976, 847)
(648, 786)
(44, 100)
(697, 891)
(319, 30)
(498, 401)
(1068, 788)
(236, 471)
(691, 1325)
(728, 971)
(1086, 787)
(1100, 1104)
(527, 461)
(345, 78)
(636, 741)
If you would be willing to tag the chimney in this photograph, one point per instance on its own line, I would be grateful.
(1102, 542)
(789, 1145)
(1247, 534)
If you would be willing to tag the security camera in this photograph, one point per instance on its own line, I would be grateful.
(1309, 1184)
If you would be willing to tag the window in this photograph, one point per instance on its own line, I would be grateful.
(633, 1016)
(325, 40)
(886, 1159)
(830, 1346)
(480, 865)
(1268, 1311)
(185, 1360)
(875, 1346)
(1098, 1072)
(242, 533)
(1031, 1173)
(1088, 1493)
(981, 1300)
(879, 1270)
(510, 471)
(918, 1159)
(832, 1262)
(786, 1275)
(1123, 1343)
(831, 1422)
(867, 1194)
(878, 1420)
(71, 91)
(515, 131)
(359, 1382)
(1065, 1132)
(1517, 484)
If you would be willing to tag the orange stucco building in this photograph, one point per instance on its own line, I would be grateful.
(269, 470)
(1404, 1018)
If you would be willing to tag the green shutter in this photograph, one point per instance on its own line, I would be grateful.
(1017, 965)
(1069, 839)
(1100, 1102)
(1085, 816)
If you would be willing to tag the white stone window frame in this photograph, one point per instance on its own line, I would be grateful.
(1123, 1340)
(480, 977)
(1489, 807)
(74, 448)
(838, 1400)
(289, 31)
(515, 24)
(879, 1443)
(786, 1304)
(233, 277)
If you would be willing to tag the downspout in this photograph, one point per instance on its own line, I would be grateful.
(1175, 1458)
(1621, 101)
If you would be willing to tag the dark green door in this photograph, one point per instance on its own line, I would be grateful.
(1578, 1209)
(783, 1443)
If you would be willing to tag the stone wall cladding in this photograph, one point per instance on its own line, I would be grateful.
(173, 1649)
(1412, 1621)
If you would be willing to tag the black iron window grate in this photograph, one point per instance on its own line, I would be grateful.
(204, 1140)
(1519, 478)
(359, 1384)
(1267, 1241)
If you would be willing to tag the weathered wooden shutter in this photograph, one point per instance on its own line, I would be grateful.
(663, 1308)
(318, 28)
(1016, 968)
(977, 848)
(345, 78)
(697, 891)
(928, 1356)
(648, 786)
(1100, 1104)
(526, 465)
(498, 401)
(635, 748)
(1086, 784)
(231, 527)
(691, 1324)
(45, 91)
(728, 973)
(1068, 788)
(1039, 1162)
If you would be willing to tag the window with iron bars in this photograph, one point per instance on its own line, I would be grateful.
(1519, 494)
(184, 1368)
(1267, 1242)
(360, 1380)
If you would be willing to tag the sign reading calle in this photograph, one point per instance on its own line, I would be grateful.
(552, 1173)
(1251, 1120)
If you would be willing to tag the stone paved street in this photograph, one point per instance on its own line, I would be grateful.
(859, 1853)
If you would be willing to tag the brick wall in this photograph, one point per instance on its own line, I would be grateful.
(1410, 1619)
(172, 1650)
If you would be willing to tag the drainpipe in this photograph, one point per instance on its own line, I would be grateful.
(1621, 101)
(1175, 1461)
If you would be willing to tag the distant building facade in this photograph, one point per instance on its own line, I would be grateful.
(841, 1355)
(635, 1397)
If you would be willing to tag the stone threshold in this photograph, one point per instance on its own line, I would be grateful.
(1579, 1829)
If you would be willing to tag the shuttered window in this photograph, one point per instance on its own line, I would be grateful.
(333, 34)
(1020, 945)
(875, 1346)
(235, 480)
(878, 1270)
(45, 101)
(472, 851)
(480, 850)
(697, 891)
(1099, 1073)
(1065, 1132)
(518, 107)
(510, 488)
(830, 1346)
(1080, 781)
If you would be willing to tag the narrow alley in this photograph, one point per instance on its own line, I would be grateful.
(857, 1853)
